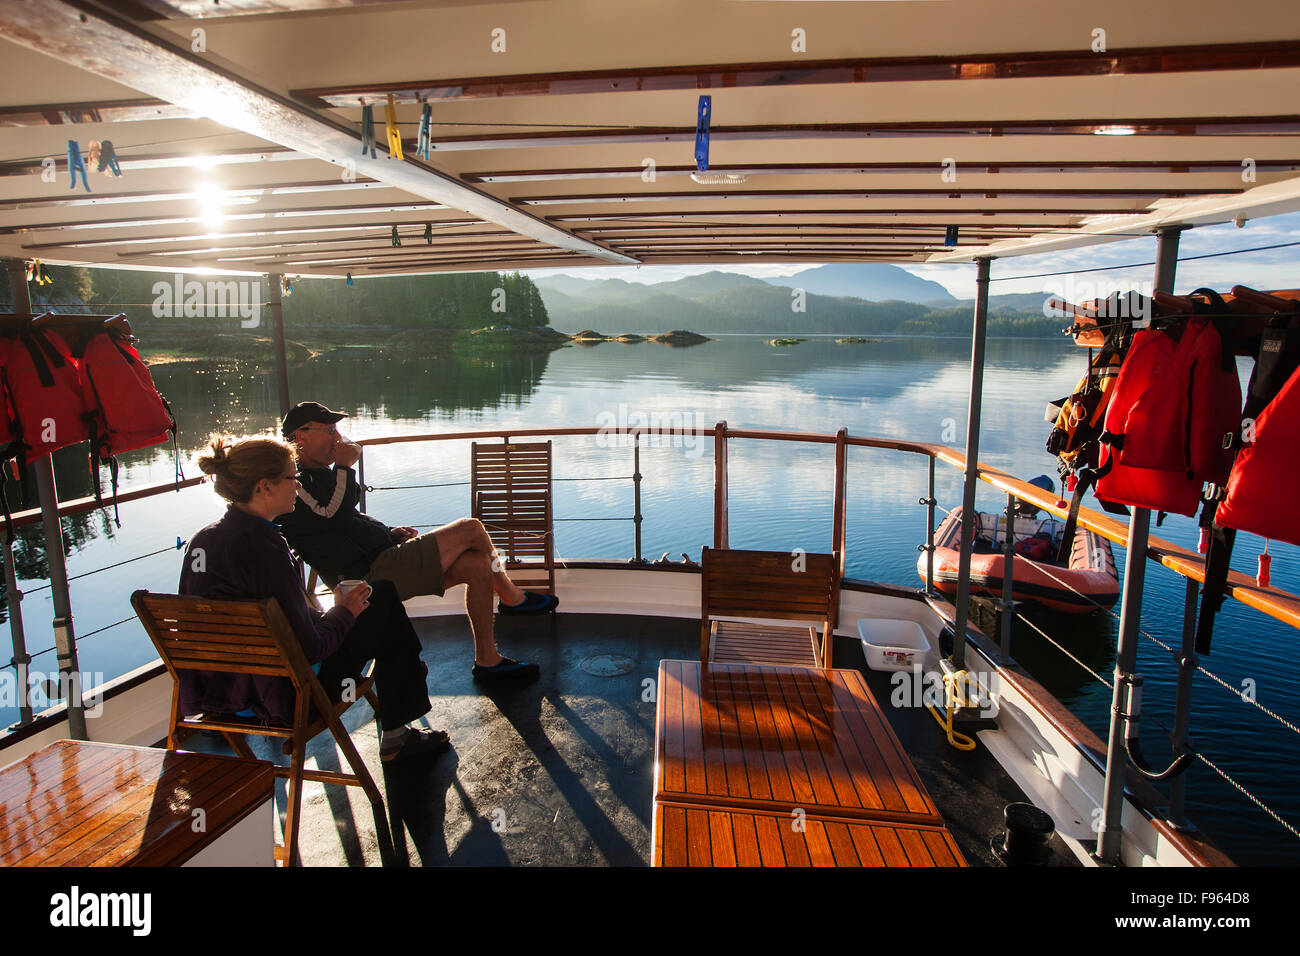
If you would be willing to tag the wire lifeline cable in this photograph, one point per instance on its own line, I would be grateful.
(106, 567)
(1137, 265)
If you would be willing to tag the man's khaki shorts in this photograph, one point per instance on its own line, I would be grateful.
(414, 567)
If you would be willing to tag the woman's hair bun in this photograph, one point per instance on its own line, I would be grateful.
(214, 461)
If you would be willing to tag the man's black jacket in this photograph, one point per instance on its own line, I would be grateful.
(327, 531)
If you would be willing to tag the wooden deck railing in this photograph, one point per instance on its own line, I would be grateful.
(1274, 602)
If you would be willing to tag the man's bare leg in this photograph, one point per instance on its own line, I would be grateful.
(473, 569)
(466, 535)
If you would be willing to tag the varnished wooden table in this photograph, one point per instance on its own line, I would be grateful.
(92, 804)
(772, 765)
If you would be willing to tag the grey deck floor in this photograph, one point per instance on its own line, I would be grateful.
(559, 772)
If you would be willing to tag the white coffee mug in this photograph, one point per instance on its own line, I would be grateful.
(351, 584)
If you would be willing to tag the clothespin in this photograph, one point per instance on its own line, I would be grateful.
(92, 154)
(394, 134)
(1265, 563)
(423, 144)
(950, 236)
(179, 544)
(108, 159)
(75, 163)
(428, 233)
(702, 133)
(349, 278)
(38, 275)
(367, 129)
(397, 240)
(286, 285)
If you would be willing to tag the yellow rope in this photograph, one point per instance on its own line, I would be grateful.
(956, 739)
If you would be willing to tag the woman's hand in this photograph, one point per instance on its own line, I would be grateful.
(356, 600)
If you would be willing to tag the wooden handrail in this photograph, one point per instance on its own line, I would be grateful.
(1278, 604)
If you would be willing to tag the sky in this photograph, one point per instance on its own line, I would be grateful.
(1122, 265)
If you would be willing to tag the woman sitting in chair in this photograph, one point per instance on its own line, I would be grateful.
(244, 556)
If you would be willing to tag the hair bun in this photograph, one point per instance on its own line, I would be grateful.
(215, 461)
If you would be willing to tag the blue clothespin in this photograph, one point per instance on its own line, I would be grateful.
(367, 130)
(702, 134)
(349, 278)
(75, 162)
(423, 146)
(397, 240)
(108, 158)
(179, 544)
(950, 236)
(428, 233)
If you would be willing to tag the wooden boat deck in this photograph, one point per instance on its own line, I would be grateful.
(560, 771)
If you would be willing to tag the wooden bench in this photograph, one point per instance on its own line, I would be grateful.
(769, 585)
(712, 836)
(510, 492)
(747, 755)
(74, 803)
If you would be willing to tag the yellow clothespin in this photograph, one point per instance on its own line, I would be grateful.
(394, 134)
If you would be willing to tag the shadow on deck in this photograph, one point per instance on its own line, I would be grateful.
(560, 771)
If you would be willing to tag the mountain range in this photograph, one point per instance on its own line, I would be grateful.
(845, 298)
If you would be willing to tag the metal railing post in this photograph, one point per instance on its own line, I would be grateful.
(636, 495)
(1187, 661)
(980, 326)
(277, 328)
(65, 640)
(1122, 700)
(1126, 700)
(361, 478)
(21, 659)
(929, 501)
(721, 520)
(1008, 577)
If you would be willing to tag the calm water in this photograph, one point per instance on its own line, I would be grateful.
(780, 498)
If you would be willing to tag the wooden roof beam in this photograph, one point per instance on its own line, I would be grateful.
(976, 66)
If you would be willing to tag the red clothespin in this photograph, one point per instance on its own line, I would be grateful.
(1203, 546)
(1265, 563)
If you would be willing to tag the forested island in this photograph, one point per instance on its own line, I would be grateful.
(180, 315)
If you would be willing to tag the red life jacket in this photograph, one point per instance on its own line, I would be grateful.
(44, 385)
(1177, 396)
(1264, 472)
(126, 411)
(8, 424)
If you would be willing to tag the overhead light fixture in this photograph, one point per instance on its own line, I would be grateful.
(1114, 131)
(719, 179)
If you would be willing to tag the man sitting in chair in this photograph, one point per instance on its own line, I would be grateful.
(329, 533)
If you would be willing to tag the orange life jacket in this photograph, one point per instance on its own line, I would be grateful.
(44, 385)
(126, 411)
(1176, 399)
(1265, 464)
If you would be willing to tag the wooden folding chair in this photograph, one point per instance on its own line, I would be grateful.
(510, 492)
(253, 637)
(771, 585)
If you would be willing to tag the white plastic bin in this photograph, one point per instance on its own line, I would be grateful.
(892, 645)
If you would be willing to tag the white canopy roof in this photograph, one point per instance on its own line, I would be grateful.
(563, 133)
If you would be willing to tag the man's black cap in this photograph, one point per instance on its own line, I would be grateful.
(304, 413)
